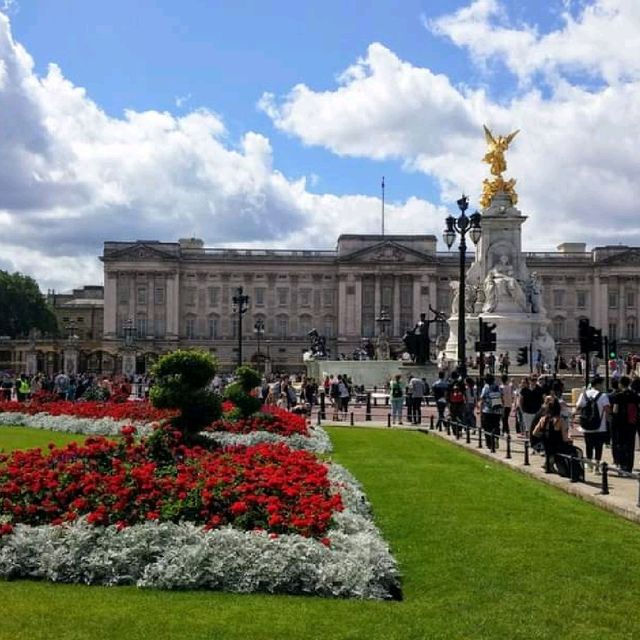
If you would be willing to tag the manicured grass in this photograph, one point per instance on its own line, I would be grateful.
(24, 438)
(485, 553)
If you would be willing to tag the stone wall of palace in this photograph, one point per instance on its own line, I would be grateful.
(181, 295)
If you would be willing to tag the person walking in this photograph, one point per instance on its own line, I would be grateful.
(594, 408)
(440, 390)
(397, 399)
(531, 399)
(625, 413)
(506, 388)
(491, 410)
(417, 395)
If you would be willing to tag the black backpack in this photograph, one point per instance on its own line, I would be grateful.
(589, 414)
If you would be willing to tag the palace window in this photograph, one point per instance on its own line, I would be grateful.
(631, 299)
(283, 296)
(158, 295)
(631, 328)
(558, 328)
(305, 297)
(613, 331)
(558, 298)
(141, 326)
(214, 296)
(158, 327)
(213, 327)
(282, 326)
(190, 296)
(329, 328)
(305, 324)
(190, 328)
(259, 296)
(327, 297)
(581, 299)
(613, 299)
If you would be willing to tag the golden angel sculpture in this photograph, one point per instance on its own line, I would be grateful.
(495, 158)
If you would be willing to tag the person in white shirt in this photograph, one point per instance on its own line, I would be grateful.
(595, 434)
(506, 388)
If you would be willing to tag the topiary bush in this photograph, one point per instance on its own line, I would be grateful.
(181, 380)
(238, 392)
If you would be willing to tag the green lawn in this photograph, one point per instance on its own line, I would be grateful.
(23, 438)
(485, 553)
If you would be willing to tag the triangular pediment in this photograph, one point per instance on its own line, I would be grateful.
(139, 251)
(631, 257)
(388, 251)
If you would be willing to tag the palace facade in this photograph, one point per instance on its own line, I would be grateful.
(159, 296)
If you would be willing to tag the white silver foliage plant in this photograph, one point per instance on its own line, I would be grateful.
(356, 563)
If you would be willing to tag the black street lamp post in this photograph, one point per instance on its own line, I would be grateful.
(240, 306)
(258, 329)
(461, 226)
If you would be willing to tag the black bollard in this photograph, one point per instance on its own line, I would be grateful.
(492, 440)
(431, 424)
(351, 419)
(323, 413)
(480, 434)
(319, 419)
(605, 479)
(573, 466)
(448, 427)
(367, 415)
(638, 491)
(388, 420)
(547, 462)
(468, 430)
(526, 453)
(457, 430)
(508, 446)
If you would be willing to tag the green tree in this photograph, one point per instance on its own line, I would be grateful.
(181, 380)
(23, 307)
(239, 391)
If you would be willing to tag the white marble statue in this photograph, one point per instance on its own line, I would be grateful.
(534, 294)
(501, 284)
(545, 343)
(454, 285)
(383, 351)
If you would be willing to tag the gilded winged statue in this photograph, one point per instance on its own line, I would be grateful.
(495, 158)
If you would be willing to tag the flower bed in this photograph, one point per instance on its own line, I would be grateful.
(354, 561)
(268, 487)
(273, 426)
(119, 411)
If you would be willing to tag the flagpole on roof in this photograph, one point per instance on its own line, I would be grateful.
(382, 205)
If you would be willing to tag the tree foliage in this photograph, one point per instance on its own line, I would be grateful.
(181, 378)
(239, 392)
(23, 307)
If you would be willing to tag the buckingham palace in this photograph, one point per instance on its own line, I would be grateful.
(159, 296)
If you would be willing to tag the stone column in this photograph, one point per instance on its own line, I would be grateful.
(172, 305)
(433, 294)
(596, 304)
(417, 298)
(622, 308)
(358, 313)
(603, 320)
(377, 298)
(342, 305)
(395, 329)
(110, 305)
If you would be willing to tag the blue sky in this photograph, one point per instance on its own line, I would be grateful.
(188, 113)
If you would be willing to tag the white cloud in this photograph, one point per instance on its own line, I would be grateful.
(601, 40)
(73, 177)
(576, 159)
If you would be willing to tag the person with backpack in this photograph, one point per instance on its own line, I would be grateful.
(456, 403)
(593, 407)
(554, 432)
(491, 410)
(397, 399)
(624, 424)
(470, 402)
(440, 390)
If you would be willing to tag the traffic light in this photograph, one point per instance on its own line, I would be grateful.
(523, 356)
(488, 338)
(584, 334)
(613, 349)
(595, 341)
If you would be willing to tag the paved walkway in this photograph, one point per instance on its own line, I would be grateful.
(624, 492)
